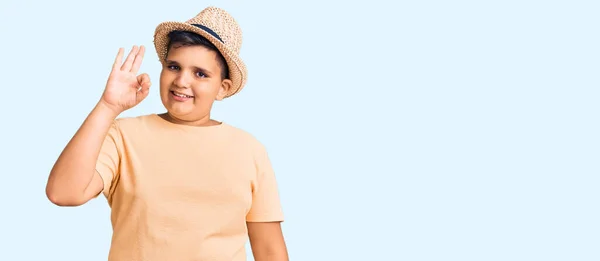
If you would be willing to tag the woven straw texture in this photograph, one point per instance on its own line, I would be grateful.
(225, 26)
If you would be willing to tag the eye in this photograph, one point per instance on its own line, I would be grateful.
(173, 67)
(201, 74)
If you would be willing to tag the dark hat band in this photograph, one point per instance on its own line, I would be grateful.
(208, 30)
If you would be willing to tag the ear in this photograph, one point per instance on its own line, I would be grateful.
(225, 87)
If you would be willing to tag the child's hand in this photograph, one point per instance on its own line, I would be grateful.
(124, 88)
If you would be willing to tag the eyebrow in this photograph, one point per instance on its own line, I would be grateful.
(203, 70)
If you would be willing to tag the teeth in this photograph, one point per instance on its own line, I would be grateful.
(182, 95)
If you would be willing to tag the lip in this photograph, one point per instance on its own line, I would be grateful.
(179, 98)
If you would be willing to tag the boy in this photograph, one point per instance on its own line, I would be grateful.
(181, 185)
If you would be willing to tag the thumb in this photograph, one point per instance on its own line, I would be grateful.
(144, 82)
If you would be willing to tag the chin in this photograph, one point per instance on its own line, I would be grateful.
(183, 112)
(179, 111)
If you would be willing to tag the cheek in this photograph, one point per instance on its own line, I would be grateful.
(164, 89)
(207, 90)
(164, 83)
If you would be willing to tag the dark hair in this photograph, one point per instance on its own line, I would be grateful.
(184, 38)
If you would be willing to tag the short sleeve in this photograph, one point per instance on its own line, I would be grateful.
(107, 165)
(266, 205)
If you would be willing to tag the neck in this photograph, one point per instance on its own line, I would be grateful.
(202, 122)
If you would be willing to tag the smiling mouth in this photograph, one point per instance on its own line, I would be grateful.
(181, 95)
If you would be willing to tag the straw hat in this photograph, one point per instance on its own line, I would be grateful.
(219, 28)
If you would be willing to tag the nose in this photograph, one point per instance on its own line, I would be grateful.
(182, 80)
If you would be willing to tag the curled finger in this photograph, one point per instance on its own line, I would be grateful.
(143, 81)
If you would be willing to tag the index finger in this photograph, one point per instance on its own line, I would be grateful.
(138, 60)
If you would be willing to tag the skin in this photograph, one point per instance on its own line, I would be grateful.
(267, 242)
(194, 71)
(73, 180)
(190, 70)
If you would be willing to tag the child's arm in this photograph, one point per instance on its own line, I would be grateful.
(267, 242)
(265, 215)
(73, 179)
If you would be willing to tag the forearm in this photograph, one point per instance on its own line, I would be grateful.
(271, 249)
(75, 167)
(276, 255)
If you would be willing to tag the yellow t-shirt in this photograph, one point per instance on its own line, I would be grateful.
(182, 192)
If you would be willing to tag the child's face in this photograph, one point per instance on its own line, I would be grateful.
(190, 82)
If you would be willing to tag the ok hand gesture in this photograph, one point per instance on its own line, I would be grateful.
(124, 88)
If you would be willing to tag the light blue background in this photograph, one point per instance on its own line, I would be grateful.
(420, 130)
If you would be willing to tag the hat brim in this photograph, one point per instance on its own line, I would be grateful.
(237, 68)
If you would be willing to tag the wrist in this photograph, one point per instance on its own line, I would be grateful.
(106, 110)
